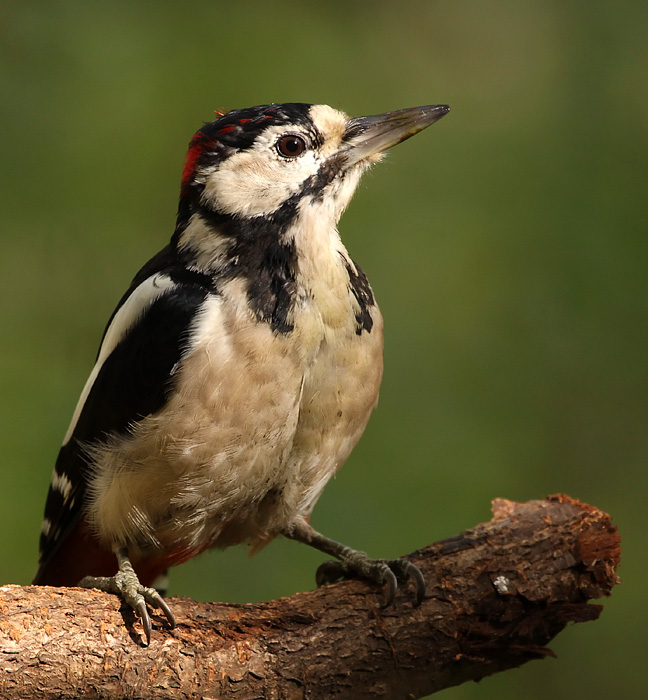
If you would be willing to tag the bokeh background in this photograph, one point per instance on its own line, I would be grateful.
(507, 246)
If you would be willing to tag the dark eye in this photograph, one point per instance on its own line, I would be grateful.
(291, 146)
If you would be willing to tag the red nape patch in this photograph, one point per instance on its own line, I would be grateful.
(193, 154)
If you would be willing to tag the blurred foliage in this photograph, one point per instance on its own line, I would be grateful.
(506, 245)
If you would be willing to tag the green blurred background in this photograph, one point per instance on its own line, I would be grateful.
(506, 245)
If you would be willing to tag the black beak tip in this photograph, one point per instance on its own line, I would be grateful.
(437, 110)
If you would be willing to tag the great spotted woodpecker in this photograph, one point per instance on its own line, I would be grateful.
(239, 369)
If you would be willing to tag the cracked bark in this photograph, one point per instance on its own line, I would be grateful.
(496, 595)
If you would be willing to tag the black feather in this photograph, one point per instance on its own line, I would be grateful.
(135, 381)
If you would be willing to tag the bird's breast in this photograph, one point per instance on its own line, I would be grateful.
(257, 423)
(339, 392)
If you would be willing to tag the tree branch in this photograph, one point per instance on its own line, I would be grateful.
(496, 595)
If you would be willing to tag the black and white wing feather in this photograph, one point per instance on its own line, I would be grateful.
(132, 378)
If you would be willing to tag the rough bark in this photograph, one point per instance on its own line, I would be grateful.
(496, 595)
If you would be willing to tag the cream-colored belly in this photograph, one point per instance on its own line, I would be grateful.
(259, 424)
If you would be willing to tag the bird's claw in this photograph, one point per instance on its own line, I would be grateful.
(126, 585)
(155, 600)
(378, 571)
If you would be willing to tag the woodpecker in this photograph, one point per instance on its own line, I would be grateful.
(238, 370)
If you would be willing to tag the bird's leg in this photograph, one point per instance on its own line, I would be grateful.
(126, 585)
(352, 562)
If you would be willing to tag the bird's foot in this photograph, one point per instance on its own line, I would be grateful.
(127, 586)
(354, 563)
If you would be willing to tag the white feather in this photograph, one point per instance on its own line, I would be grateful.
(130, 312)
(62, 484)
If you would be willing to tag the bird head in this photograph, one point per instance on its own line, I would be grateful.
(263, 189)
(266, 161)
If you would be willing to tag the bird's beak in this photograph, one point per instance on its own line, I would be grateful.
(370, 136)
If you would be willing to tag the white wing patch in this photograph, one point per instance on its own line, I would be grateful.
(131, 311)
(62, 484)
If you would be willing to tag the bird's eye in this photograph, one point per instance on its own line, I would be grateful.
(291, 146)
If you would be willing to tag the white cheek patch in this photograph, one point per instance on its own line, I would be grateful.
(257, 181)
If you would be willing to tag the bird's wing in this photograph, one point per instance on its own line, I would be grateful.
(132, 378)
